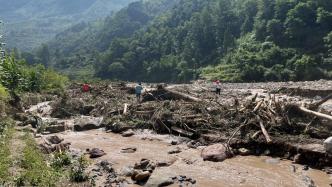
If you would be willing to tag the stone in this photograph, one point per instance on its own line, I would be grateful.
(267, 152)
(328, 145)
(142, 164)
(128, 133)
(159, 180)
(55, 128)
(127, 171)
(216, 153)
(47, 149)
(106, 166)
(174, 142)
(297, 159)
(165, 163)
(117, 127)
(193, 144)
(54, 139)
(142, 176)
(244, 152)
(95, 153)
(87, 109)
(88, 123)
(129, 150)
(175, 150)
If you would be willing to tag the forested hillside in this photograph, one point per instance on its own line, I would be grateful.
(232, 40)
(31, 22)
(78, 49)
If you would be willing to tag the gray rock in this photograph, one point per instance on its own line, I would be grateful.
(55, 128)
(244, 152)
(159, 180)
(142, 164)
(129, 150)
(106, 166)
(128, 133)
(88, 123)
(216, 153)
(142, 176)
(328, 145)
(175, 150)
(117, 127)
(54, 139)
(95, 153)
(127, 171)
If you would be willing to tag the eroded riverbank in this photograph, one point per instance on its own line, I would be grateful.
(187, 125)
(238, 171)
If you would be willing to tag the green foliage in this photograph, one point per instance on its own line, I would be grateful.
(77, 171)
(16, 76)
(249, 40)
(4, 95)
(6, 131)
(36, 171)
(60, 160)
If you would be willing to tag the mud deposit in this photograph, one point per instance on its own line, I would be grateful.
(238, 171)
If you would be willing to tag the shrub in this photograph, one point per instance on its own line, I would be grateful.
(77, 171)
(61, 160)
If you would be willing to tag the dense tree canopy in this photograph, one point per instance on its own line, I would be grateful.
(233, 40)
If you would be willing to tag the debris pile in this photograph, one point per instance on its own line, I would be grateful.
(256, 116)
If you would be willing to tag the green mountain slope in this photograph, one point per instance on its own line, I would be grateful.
(233, 40)
(30, 23)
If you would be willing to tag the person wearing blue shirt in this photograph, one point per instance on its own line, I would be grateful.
(138, 91)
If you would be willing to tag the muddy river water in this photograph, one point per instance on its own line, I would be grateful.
(238, 171)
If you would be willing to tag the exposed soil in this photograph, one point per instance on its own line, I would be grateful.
(16, 149)
(174, 123)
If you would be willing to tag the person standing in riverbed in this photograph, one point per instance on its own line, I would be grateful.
(217, 87)
(138, 92)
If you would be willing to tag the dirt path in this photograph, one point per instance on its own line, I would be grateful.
(16, 147)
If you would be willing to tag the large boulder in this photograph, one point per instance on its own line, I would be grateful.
(328, 145)
(88, 123)
(216, 153)
(96, 153)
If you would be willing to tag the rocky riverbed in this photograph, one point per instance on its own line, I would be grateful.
(164, 139)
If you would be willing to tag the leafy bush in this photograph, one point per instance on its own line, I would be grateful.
(36, 171)
(60, 160)
(17, 76)
(77, 171)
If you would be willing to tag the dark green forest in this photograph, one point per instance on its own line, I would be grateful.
(182, 40)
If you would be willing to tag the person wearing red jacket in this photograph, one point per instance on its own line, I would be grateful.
(86, 87)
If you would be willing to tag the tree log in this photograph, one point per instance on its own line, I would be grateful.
(264, 131)
(258, 106)
(183, 96)
(125, 109)
(314, 106)
(317, 114)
